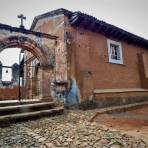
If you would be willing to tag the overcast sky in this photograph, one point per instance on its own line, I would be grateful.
(131, 15)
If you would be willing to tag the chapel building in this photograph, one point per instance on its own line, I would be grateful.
(95, 61)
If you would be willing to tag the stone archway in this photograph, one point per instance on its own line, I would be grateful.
(26, 44)
(37, 50)
(43, 46)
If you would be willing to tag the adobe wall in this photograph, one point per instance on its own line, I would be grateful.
(143, 68)
(9, 93)
(90, 63)
(87, 61)
(51, 25)
(57, 52)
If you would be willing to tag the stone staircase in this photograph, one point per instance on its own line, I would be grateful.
(12, 112)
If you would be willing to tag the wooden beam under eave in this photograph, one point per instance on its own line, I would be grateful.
(115, 34)
(108, 31)
(145, 44)
(121, 36)
(85, 23)
(125, 37)
(129, 40)
(95, 26)
(136, 41)
(99, 27)
(92, 26)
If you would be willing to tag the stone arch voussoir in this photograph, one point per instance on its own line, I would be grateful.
(27, 44)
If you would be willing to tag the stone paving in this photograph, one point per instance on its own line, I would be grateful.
(134, 122)
(70, 130)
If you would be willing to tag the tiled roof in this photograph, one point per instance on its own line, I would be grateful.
(79, 19)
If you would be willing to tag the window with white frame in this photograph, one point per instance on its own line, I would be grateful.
(114, 52)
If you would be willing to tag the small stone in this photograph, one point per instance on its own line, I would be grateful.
(43, 146)
(103, 141)
(84, 144)
(37, 131)
(49, 145)
(115, 146)
(65, 143)
(41, 139)
(91, 144)
(84, 139)
(57, 143)
(60, 138)
(37, 137)
(104, 147)
(77, 142)
(69, 140)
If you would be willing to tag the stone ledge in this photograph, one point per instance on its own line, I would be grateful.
(102, 91)
(122, 108)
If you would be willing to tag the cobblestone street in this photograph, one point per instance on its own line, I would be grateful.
(70, 130)
(134, 122)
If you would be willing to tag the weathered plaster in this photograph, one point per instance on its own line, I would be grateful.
(61, 63)
(39, 44)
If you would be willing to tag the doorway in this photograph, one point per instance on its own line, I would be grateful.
(19, 75)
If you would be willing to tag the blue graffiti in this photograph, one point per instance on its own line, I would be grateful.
(72, 97)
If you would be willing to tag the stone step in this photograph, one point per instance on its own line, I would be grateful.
(6, 110)
(13, 118)
(16, 102)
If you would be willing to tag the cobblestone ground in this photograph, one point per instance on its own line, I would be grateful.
(70, 130)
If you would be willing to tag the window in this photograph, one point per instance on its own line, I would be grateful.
(114, 52)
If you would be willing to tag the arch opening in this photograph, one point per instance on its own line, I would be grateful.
(27, 44)
(18, 75)
(33, 85)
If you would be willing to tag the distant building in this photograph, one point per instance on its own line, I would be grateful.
(9, 75)
(15, 74)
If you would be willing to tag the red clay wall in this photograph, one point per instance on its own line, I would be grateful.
(9, 93)
(143, 64)
(88, 60)
(92, 67)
